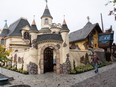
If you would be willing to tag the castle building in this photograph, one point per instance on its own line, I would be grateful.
(37, 50)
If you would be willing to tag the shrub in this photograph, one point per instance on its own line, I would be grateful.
(81, 68)
(14, 68)
(8, 67)
(73, 71)
(25, 72)
(104, 63)
(87, 67)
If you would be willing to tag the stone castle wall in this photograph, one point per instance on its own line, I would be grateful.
(24, 57)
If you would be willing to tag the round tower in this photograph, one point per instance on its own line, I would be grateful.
(46, 18)
(33, 31)
(65, 44)
(3, 34)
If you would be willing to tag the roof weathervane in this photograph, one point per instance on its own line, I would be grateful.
(33, 16)
(64, 22)
(46, 1)
(88, 18)
(33, 23)
(5, 21)
(64, 16)
(5, 26)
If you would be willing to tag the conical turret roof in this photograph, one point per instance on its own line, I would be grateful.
(46, 12)
(33, 26)
(6, 25)
(5, 30)
(65, 27)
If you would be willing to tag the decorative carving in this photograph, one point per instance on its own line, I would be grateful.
(56, 25)
(15, 58)
(58, 46)
(34, 43)
(32, 68)
(66, 67)
(19, 60)
(64, 44)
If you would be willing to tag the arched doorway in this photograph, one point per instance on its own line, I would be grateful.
(48, 60)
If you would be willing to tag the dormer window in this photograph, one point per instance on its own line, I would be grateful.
(46, 21)
(26, 35)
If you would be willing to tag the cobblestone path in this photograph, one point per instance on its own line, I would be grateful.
(105, 79)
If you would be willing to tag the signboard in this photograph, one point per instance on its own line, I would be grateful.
(105, 40)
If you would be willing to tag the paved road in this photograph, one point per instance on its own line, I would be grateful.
(105, 78)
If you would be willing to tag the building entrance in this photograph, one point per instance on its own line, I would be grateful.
(48, 60)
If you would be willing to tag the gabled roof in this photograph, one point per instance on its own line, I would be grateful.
(16, 27)
(84, 32)
(49, 37)
(46, 13)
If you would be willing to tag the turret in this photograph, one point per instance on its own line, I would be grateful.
(5, 30)
(33, 30)
(65, 37)
(46, 18)
(4, 33)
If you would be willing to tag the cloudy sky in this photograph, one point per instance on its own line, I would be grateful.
(75, 11)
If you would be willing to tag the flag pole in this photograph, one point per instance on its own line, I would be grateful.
(102, 23)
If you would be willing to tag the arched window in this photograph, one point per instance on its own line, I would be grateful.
(46, 21)
(26, 35)
(2, 41)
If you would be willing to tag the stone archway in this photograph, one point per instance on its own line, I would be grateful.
(54, 47)
(48, 60)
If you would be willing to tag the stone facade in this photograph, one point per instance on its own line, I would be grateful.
(38, 48)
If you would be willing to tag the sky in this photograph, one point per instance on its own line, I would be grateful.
(75, 11)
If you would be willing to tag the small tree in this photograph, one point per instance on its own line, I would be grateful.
(113, 11)
(114, 1)
(3, 55)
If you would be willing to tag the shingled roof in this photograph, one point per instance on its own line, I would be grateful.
(5, 30)
(64, 27)
(46, 12)
(49, 37)
(84, 32)
(16, 27)
(34, 27)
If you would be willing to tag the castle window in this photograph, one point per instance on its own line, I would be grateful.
(95, 45)
(46, 21)
(54, 32)
(2, 41)
(26, 35)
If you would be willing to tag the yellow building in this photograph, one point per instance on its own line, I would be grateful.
(87, 36)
